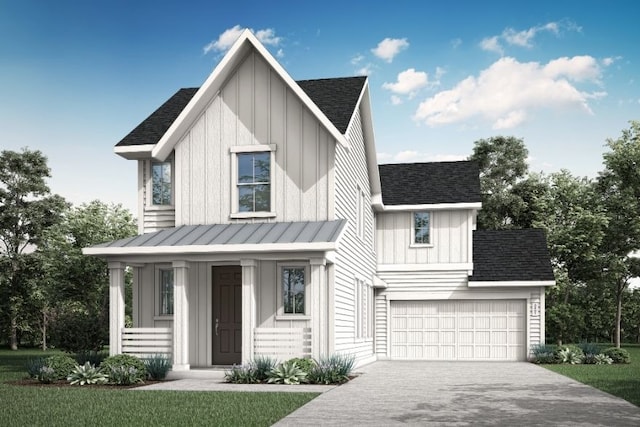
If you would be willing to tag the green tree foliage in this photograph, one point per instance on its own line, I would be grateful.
(503, 164)
(27, 209)
(80, 283)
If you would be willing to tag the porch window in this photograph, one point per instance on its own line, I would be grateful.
(166, 292)
(293, 292)
(161, 183)
(253, 195)
(422, 228)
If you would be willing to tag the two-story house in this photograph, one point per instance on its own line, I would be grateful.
(266, 227)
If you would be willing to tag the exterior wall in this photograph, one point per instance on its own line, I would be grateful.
(355, 258)
(451, 238)
(253, 108)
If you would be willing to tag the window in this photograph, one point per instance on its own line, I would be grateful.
(254, 182)
(363, 309)
(161, 183)
(293, 292)
(166, 292)
(421, 228)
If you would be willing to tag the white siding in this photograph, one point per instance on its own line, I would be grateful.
(381, 325)
(355, 257)
(254, 108)
(450, 238)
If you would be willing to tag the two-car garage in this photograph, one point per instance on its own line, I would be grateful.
(458, 330)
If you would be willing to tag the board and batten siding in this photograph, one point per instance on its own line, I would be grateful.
(355, 258)
(254, 107)
(450, 238)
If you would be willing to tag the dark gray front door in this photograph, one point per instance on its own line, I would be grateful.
(227, 315)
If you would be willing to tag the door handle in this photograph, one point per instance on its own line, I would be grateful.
(217, 324)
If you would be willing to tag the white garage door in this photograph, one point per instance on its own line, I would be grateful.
(458, 330)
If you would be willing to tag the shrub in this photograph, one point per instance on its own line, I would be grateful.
(47, 375)
(86, 374)
(589, 348)
(124, 369)
(262, 365)
(287, 373)
(602, 359)
(618, 355)
(33, 366)
(93, 357)
(334, 369)
(305, 364)
(157, 366)
(241, 375)
(570, 354)
(76, 331)
(61, 364)
(544, 353)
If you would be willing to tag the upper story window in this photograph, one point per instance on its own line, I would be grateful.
(253, 181)
(422, 228)
(161, 183)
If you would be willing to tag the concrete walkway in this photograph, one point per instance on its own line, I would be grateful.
(462, 394)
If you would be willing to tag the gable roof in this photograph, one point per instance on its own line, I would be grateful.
(430, 183)
(511, 256)
(215, 238)
(336, 97)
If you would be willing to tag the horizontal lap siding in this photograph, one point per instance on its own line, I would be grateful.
(254, 107)
(355, 257)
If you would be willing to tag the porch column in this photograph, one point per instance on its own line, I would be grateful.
(318, 307)
(249, 309)
(116, 306)
(180, 316)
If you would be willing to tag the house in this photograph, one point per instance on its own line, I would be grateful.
(266, 227)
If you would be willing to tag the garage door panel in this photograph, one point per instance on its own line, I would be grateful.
(458, 330)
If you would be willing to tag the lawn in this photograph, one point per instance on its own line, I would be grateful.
(620, 380)
(78, 406)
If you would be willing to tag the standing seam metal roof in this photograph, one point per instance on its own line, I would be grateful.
(236, 234)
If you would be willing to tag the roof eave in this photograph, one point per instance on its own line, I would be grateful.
(426, 207)
(510, 283)
(134, 152)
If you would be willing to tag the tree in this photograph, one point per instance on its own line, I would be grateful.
(503, 164)
(619, 189)
(26, 209)
(80, 283)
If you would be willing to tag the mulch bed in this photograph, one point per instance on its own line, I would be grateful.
(29, 382)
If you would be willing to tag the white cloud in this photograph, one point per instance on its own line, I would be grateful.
(524, 38)
(357, 59)
(440, 72)
(455, 43)
(229, 36)
(491, 44)
(367, 70)
(280, 53)
(396, 100)
(507, 91)
(610, 60)
(388, 48)
(408, 82)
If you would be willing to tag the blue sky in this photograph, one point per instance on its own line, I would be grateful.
(77, 76)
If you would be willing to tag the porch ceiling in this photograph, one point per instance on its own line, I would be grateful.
(225, 238)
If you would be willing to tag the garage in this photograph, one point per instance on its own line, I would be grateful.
(458, 330)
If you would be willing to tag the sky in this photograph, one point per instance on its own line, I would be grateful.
(77, 76)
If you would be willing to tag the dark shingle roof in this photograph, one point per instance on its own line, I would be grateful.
(510, 255)
(153, 127)
(336, 98)
(429, 183)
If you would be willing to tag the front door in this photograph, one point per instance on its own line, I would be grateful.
(227, 315)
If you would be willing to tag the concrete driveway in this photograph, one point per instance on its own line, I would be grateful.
(463, 393)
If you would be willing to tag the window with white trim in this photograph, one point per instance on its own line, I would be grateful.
(253, 194)
(161, 183)
(363, 309)
(421, 228)
(293, 282)
(165, 277)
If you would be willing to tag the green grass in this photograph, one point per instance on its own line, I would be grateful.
(67, 406)
(620, 380)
